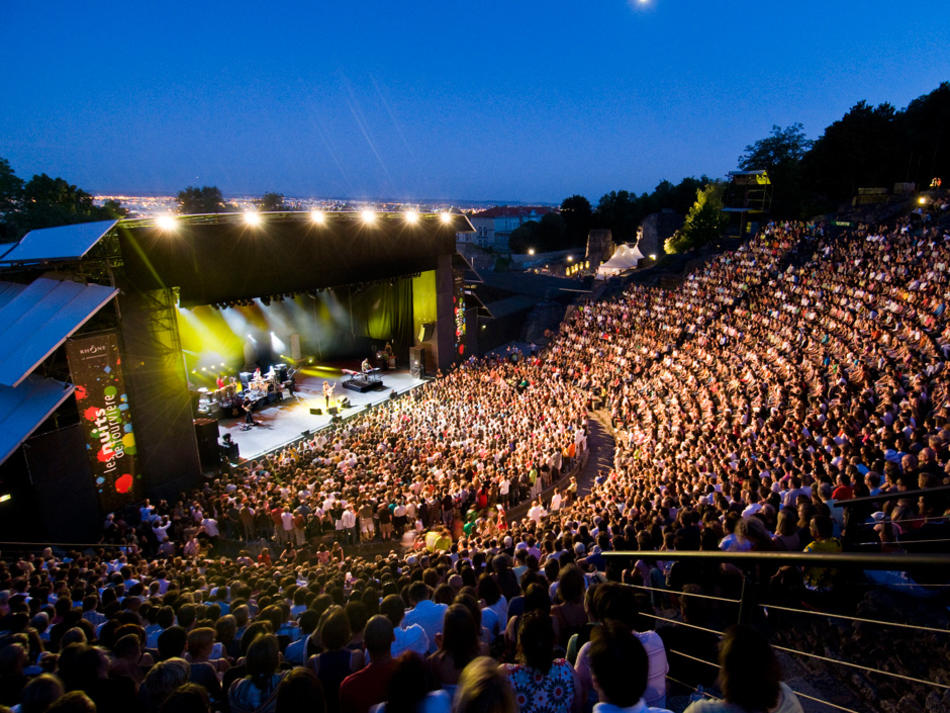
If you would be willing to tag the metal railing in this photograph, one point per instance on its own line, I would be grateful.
(895, 495)
(749, 608)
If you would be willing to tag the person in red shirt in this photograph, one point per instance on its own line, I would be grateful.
(843, 491)
(368, 686)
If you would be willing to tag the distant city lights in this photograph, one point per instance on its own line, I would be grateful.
(318, 217)
(369, 216)
(252, 218)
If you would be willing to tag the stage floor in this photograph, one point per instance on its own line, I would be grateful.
(285, 421)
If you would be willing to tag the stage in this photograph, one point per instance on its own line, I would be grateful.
(285, 421)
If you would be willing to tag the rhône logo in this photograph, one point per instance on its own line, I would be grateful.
(93, 350)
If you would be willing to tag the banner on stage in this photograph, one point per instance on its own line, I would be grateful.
(95, 367)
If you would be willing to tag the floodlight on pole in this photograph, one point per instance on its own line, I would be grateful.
(166, 222)
(412, 216)
(445, 217)
(252, 218)
(369, 216)
(318, 217)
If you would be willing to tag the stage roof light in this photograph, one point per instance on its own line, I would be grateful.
(445, 217)
(530, 251)
(252, 218)
(318, 217)
(369, 216)
(922, 200)
(166, 222)
(412, 216)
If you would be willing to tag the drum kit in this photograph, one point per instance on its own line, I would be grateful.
(249, 385)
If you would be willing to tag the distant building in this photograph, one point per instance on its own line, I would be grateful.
(655, 229)
(494, 226)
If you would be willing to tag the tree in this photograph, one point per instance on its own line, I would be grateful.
(271, 202)
(864, 148)
(525, 236)
(11, 188)
(552, 233)
(704, 221)
(46, 202)
(780, 153)
(207, 199)
(11, 194)
(925, 124)
(578, 215)
(619, 211)
(783, 147)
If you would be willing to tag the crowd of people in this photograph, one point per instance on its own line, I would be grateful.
(801, 370)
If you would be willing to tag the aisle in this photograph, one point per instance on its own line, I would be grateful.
(601, 444)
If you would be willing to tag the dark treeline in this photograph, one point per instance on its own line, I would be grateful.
(44, 202)
(870, 146)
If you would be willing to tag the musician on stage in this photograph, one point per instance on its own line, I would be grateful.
(366, 367)
(327, 390)
(248, 407)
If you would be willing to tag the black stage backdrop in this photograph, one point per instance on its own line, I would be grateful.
(218, 258)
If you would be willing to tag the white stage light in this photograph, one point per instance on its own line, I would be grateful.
(369, 216)
(252, 218)
(166, 222)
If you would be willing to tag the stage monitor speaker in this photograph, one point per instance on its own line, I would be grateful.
(345, 402)
(426, 331)
(333, 410)
(316, 412)
(206, 432)
(417, 362)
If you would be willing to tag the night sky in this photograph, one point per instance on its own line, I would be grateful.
(516, 100)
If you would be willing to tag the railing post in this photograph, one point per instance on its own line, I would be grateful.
(746, 599)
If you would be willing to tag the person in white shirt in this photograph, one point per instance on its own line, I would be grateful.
(425, 613)
(619, 667)
(286, 525)
(412, 638)
(536, 512)
(210, 527)
(348, 519)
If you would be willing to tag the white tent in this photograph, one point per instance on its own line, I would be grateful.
(625, 257)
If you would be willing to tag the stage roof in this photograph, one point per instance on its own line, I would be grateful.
(510, 305)
(67, 242)
(24, 408)
(39, 318)
(215, 258)
(9, 290)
